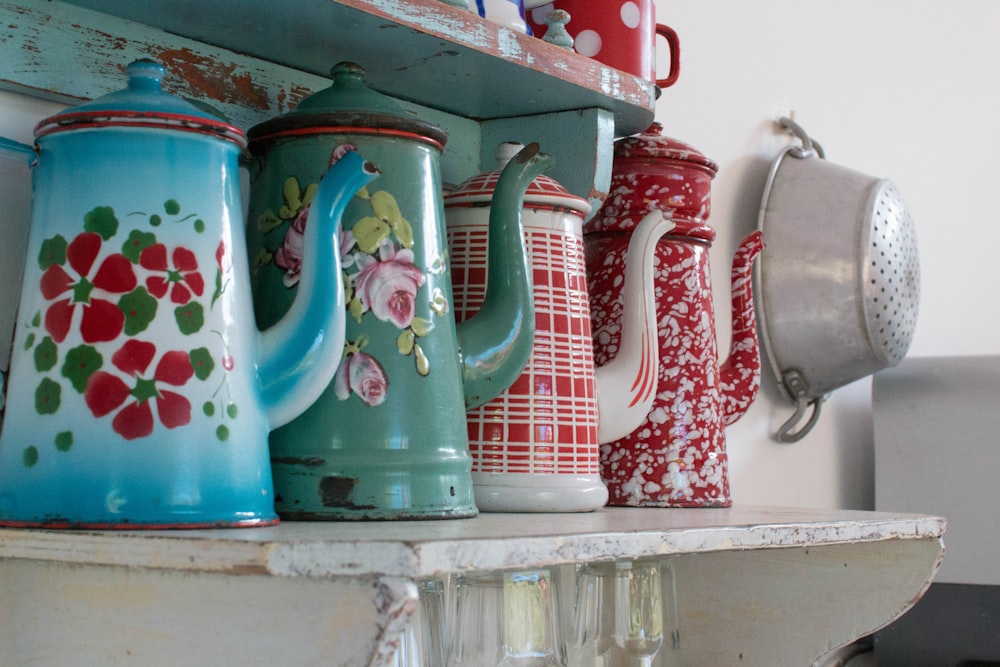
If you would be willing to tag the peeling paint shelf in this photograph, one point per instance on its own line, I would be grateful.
(424, 51)
(254, 60)
(755, 585)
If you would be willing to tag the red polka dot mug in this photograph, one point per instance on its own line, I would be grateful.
(619, 33)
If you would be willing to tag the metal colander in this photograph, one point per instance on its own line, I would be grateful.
(838, 282)
(894, 292)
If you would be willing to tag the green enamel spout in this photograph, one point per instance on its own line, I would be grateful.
(496, 342)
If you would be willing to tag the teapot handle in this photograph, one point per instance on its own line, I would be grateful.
(15, 149)
(626, 385)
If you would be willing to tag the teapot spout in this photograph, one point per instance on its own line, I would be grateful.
(626, 385)
(739, 375)
(299, 354)
(496, 342)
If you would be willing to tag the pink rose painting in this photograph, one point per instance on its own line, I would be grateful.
(388, 287)
(360, 373)
(289, 255)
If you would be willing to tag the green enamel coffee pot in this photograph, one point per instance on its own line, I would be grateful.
(388, 438)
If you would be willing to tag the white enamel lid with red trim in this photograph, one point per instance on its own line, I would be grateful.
(478, 190)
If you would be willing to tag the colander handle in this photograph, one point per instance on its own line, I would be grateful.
(796, 385)
(809, 147)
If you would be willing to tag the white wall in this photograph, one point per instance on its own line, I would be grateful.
(901, 89)
(904, 89)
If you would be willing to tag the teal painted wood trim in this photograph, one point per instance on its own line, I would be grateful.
(461, 159)
(68, 54)
(63, 53)
(425, 51)
(581, 141)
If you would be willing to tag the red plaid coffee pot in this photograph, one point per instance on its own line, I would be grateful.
(535, 447)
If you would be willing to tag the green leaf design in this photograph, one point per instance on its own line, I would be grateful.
(46, 355)
(218, 288)
(190, 317)
(202, 362)
(136, 242)
(48, 397)
(81, 362)
(53, 252)
(354, 307)
(64, 441)
(386, 208)
(171, 207)
(269, 221)
(421, 327)
(423, 364)
(310, 192)
(155, 220)
(30, 456)
(369, 233)
(292, 192)
(29, 341)
(101, 220)
(199, 226)
(36, 321)
(139, 308)
(261, 259)
(405, 341)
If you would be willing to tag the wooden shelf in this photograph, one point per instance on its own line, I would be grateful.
(483, 84)
(424, 51)
(420, 549)
(756, 586)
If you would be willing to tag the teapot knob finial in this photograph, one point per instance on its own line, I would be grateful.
(145, 74)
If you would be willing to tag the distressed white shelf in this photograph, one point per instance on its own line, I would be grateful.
(755, 586)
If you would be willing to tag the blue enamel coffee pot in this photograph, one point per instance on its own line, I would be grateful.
(141, 393)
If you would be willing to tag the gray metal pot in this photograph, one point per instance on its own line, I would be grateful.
(838, 282)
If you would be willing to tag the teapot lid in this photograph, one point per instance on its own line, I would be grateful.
(349, 105)
(652, 144)
(143, 103)
(543, 190)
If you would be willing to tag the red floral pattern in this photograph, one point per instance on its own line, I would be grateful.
(181, 279)
(106, 292)
(102, 320)
(107, 392)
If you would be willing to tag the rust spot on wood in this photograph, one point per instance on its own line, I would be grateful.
(297, 94)
(112, 42)
(213, 79)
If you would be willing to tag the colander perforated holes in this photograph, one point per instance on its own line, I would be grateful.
(894, 289)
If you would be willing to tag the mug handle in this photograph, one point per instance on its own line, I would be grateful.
(674, 43)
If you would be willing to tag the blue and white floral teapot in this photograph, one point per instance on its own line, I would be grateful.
(140, 392)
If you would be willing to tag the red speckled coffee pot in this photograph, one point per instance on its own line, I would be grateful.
(677, 457)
